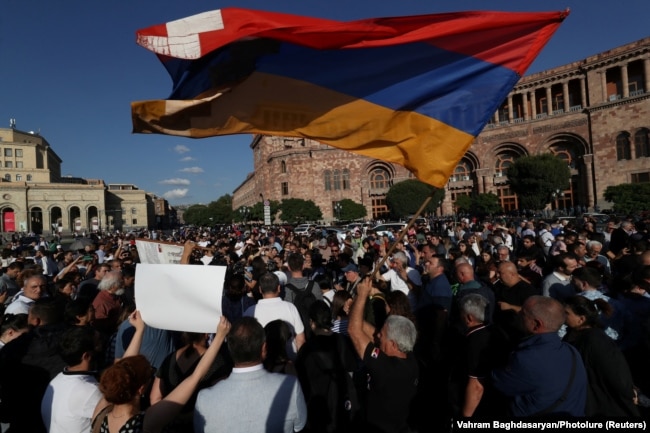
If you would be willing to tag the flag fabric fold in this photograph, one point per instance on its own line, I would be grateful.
(412, 90)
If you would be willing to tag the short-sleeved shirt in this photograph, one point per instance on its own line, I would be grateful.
(69, 402)
(391, 388)
(396, 282)
(270, 309)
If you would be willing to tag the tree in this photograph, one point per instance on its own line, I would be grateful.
(405, 198)
(197, 214)
(257, 210)
(629, 198)
(351, 210)
(299, 210)
(535, 178)
(220, 211)
(463, 203)
(485, 204)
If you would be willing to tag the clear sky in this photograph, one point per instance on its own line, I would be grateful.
(69, 69)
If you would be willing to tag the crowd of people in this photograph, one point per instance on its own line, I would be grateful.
(398, 332)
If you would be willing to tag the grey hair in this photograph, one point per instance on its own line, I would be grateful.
(401, 257)
(474, 305)
(591, 244)
(402, 331)
(111, 279)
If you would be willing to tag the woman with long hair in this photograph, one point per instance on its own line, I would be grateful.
(610, 390)
(124, 383)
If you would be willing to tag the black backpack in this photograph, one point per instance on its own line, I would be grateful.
(303, 300)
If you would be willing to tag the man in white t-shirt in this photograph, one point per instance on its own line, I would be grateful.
(71, 397)
(401, 276)
(272, 307)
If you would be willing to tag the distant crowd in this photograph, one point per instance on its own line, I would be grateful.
(352, 331)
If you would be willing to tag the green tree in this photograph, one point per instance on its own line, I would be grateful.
(257, 210)
(463, 203)
(299, 210)
(197, 214)
(534, 178)
(351, 210)
(405, 198)
(629, 198)
(220, 211)
(485, 204)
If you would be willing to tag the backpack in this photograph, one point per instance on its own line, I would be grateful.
(303, 300)
(337, 407)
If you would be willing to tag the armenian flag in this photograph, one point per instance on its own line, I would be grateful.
(411, 90)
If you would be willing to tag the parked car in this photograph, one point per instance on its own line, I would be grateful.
(304, 229)
(388, 228)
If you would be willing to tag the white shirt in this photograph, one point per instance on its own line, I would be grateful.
(69, 403)
(396, 282)
(269, 309)
(20, 305)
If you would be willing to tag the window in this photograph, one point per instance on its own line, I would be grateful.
(134, 211)
(283, 167)
(642, 143)
(19, 153)
(29, 178)
(8, 151)
(285, 188)
(19, 164)
(328, 180)
(623, 148)
(346, 179)
(9, 164)
(641, 177)
(379, 179)
(337, 180)
(134, 221)
(8, 177)
(19, 177)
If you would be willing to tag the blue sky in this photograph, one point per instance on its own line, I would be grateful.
(70, 69)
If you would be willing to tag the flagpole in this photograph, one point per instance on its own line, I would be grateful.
(403, 232)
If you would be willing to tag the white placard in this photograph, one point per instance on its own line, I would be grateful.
(180, 297)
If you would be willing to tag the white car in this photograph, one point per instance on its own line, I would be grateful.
(304, 229)
(388, 228)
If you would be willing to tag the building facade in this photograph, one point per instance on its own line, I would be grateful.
(34, 197)
(593, 113)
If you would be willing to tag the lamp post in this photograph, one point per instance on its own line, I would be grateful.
(557, 195)
(337, 209)
(243, 211)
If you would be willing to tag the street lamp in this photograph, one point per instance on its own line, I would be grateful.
(557, 195)
(337, 209)
(243, 211)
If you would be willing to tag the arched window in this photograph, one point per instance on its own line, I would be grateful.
(29, 178)
(283, 167)
(566, 154)
(337, 180)
(346, 179)
(642, 143)
(8, 177)
(328, 180)
(623, 148)
(379, 179)
(462, 171)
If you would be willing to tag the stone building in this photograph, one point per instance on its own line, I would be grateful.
(34, 197)
(593, 113)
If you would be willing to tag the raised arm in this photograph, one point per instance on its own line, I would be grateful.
(134, 346)
(360, 338)
(163, 412)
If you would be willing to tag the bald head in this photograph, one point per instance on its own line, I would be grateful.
(508, 273)
(542, 314)
(464, 272)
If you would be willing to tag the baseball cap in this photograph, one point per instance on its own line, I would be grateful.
(350, 268)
